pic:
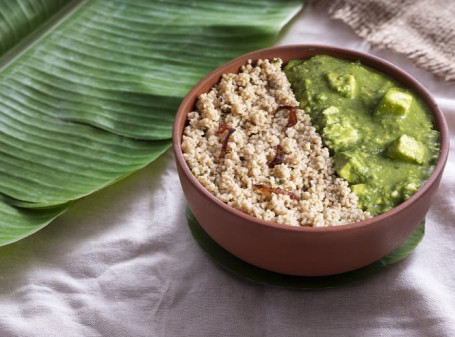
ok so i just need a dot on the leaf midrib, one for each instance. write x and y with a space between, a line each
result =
39 33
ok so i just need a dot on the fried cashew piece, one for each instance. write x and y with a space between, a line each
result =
225 148
279 157
267 191
292 118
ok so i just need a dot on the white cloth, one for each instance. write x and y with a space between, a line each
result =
122 262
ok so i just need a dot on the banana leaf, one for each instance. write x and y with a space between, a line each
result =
18 20
18 223
89 89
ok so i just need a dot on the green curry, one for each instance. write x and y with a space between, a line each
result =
381 135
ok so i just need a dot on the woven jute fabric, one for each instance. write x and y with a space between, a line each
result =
424 30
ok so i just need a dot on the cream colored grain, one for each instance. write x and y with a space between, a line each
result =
246 102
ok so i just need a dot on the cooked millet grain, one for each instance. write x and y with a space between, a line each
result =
248 102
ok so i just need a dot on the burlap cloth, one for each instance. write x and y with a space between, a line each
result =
423 30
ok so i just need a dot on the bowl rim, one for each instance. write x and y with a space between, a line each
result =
401 76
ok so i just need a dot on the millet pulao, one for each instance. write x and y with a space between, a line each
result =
250 146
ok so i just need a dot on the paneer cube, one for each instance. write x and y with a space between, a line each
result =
363 194
350 168
343 84
359 189
408 149
338 135
331 115
395 102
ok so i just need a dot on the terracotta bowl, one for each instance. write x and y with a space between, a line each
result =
307 251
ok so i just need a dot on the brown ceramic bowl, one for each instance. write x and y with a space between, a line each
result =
307 251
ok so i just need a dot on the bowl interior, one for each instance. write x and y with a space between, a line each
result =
290 52
307 251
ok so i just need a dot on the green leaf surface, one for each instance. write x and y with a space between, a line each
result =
114 64
89 89
253 273
17 223
39 172
20 18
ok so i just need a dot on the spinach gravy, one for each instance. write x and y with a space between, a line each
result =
381 135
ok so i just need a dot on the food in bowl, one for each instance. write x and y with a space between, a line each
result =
302 250
380 133
250 144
